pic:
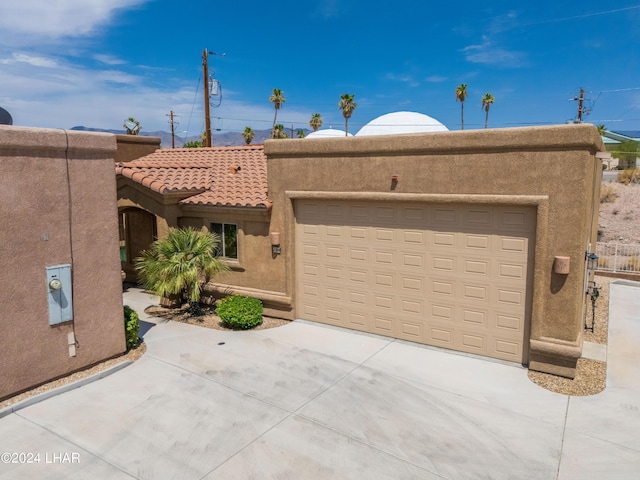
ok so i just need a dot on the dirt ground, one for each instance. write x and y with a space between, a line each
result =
619 221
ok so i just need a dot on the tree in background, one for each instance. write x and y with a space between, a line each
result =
248 135
461 95
627 154
197 143
278 131
601 129
316 121
132 126
300 133
277 98
487 100
347 105
179 265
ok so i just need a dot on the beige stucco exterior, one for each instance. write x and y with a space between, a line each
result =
58 196
553 169
255 273
131 147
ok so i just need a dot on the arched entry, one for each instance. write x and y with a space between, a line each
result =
137 231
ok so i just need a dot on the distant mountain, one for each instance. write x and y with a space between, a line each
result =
227 139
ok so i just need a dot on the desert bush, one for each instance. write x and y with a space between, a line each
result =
239 312
630 175
608 194
633 264
131 326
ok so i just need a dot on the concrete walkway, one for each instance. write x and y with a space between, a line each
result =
308 401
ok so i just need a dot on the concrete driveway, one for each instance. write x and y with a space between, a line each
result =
308 401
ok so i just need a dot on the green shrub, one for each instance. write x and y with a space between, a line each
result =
240 313
131 326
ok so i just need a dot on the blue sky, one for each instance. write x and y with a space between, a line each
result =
95 62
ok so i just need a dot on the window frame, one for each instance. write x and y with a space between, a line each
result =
223 247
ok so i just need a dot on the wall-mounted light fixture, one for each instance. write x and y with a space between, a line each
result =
592 260
275 243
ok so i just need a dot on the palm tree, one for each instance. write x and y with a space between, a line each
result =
487 100
278 131
300 133
248 135
347 105
601 129
277 98
461 95
132 126
179 265
315 122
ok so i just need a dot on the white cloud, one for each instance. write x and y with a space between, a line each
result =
488 53
108 59
436 79
29 59
408 79
25 21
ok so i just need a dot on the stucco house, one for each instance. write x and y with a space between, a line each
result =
469 240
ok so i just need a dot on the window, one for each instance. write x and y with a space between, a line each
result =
228 235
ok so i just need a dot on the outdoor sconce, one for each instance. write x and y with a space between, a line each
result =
592 260
275 243
394 177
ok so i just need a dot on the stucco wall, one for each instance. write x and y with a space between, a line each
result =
553 169
131 147
256 273
58 197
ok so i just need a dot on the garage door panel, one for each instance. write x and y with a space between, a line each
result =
412 331
453 276
443 263
475 317
441 287
440 335
383 325
473 343
508 350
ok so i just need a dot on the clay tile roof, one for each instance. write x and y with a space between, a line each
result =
225 176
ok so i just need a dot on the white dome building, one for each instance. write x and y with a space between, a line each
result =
401 122
328 133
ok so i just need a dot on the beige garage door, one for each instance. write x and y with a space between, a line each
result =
457 277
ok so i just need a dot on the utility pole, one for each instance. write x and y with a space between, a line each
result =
173 131
580 101
207 115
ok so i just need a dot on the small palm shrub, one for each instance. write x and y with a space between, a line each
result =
131 326
239 312
180 264
608 194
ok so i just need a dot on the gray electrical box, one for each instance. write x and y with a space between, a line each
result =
59 288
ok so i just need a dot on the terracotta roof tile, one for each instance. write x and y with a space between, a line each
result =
226 176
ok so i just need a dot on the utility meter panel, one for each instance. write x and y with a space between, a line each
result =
59 288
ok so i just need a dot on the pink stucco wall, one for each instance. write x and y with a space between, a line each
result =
57 206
